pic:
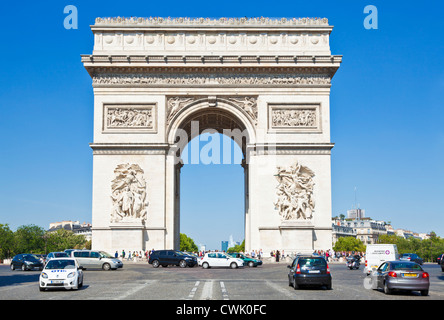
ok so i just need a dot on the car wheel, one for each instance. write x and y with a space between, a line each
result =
156 264
205 265
106 266
183 264
81 283
328 286
23 267
13 267
424 292
233 265
41 288
387 290
251 264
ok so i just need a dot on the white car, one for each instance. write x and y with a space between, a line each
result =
61 273
220 259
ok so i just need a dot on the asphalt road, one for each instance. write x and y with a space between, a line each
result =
140 281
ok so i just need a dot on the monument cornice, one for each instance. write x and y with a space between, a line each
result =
200 22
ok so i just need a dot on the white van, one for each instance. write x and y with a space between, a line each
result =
376 254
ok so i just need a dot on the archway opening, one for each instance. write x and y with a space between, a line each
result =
211 188
212 192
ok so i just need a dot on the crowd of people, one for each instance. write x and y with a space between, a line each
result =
329 255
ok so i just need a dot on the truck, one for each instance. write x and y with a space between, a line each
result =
376 254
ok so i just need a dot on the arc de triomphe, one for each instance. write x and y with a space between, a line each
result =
160 82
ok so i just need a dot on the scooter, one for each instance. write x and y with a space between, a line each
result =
353 263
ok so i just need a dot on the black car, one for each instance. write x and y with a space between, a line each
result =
309 270
165 258
26 261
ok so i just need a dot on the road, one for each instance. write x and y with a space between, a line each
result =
140 281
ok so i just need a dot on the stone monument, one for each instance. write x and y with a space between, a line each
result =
159 82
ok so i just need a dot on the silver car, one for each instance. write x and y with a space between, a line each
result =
403 275
92 259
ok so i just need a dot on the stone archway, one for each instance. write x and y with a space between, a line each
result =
193 116
269 79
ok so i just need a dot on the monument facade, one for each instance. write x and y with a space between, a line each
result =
158 83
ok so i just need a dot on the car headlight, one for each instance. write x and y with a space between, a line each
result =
72 274
44 275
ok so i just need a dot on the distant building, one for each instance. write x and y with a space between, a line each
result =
341 229
224 246
355 214
83 229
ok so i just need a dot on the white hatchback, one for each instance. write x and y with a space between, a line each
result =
220 259
61 273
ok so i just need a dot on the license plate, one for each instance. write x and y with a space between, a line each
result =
56 281
314 271
410 275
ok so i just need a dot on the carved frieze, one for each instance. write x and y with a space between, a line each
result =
128 194
129 117
295 192
296 117
207 79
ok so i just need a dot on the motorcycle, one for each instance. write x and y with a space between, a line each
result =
353 262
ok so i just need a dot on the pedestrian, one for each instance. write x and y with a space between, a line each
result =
123 254
116 255
277 255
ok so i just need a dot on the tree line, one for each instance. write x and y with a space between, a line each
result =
34 239
427 249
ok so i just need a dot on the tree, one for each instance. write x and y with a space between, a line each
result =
6 241
29 238
349 244
62 239
187 244
237 248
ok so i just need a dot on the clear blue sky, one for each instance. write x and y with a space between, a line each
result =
387 113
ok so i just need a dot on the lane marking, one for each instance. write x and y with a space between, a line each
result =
224 291
207 291
193 291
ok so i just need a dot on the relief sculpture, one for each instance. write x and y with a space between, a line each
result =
295 192
128 194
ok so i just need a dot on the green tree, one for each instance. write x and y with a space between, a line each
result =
237 248
62 239
6 241
29 238
349 244
187 244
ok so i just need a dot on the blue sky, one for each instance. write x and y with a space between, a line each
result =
386 113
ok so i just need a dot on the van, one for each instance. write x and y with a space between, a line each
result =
376 254
91 259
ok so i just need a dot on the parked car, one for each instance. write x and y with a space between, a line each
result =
404 275
92 259
411 257
439 258
220 259
61 273
26 261
251 262
53 255
309 270
165 258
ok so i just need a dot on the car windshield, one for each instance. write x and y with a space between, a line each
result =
405 266
61 264
104 254
30 257
61 254
311 262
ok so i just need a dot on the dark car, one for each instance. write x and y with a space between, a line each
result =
251 262
26 261
439 259
165 258
309 270
413 257
404 275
